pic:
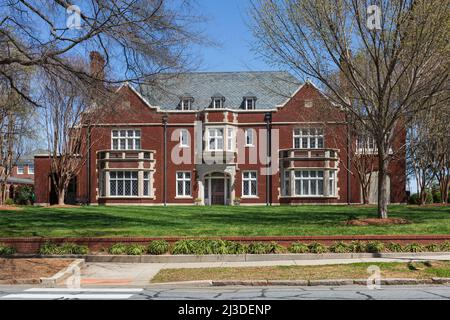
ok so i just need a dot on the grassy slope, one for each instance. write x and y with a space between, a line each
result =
215 221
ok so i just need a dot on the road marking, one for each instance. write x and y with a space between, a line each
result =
84 290
47 296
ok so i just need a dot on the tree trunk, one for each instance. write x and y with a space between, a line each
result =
382 187
61 195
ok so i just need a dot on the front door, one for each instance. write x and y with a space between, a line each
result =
217 191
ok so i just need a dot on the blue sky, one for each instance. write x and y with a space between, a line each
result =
227 26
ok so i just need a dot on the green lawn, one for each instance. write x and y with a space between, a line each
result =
215 221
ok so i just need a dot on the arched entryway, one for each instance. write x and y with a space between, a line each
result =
217 188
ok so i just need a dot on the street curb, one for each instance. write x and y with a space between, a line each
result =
309 283
234 258
52 281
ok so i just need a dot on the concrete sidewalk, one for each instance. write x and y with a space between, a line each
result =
140 274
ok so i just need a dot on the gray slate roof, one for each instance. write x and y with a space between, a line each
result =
271 88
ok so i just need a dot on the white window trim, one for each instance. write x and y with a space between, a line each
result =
253 101
185 107
255 196
22 171
300 136
187 143
124 196
309 183
231 141
220 100
208 136
30 171
253 133
183 179
126 139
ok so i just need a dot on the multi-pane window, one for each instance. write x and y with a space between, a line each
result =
185 104
123 183
183 184
126 139
249 184
31 169
184 138
230 139
215 139
146 190
365 144
286 183
308 183
217 103
20 169
249 103
309 138
331 183
249 137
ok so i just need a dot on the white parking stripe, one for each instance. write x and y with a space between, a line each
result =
83 290
47 296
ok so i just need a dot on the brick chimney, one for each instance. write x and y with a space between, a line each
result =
97 67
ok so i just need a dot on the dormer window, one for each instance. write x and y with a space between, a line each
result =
186 102
217 101
249 101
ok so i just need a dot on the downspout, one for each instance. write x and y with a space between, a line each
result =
268 120
164 121
349 201
89 165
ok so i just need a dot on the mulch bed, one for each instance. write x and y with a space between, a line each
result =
376 221
30 269
10 208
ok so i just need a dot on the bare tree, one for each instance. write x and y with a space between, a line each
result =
138 38
69 108
15 129
398 63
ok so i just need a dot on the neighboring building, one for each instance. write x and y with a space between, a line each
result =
215 128
22 173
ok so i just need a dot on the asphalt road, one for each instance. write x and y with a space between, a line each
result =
430 292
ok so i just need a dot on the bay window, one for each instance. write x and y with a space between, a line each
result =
123 183
215 139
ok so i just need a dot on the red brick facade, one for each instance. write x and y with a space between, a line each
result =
93 184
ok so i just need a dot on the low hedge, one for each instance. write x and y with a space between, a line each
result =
50 248
209 246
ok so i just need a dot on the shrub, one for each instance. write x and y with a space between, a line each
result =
413 247
445 246
236 247
374 246
158 247
50 248
9 202
136 249
433 247
356 246
316 247
6 250
298 247
394 247
274 247
259 248
72 248
339 247
118 248
183 247
414 198
437 197
24 195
